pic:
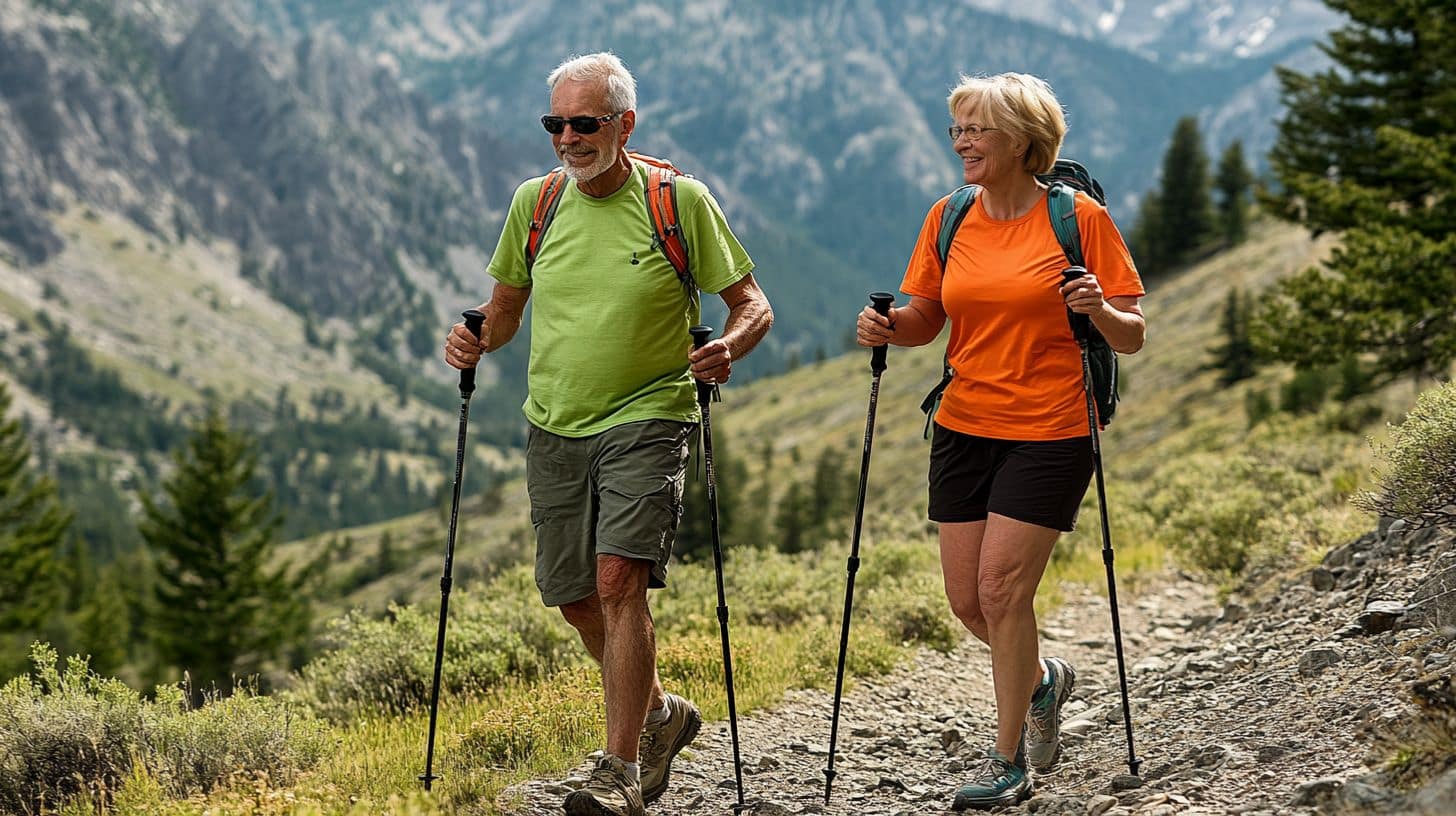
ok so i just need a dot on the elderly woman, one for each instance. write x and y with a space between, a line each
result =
1011 455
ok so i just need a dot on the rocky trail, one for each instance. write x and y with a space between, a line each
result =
1270 705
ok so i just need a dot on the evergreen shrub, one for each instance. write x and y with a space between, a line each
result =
386 666
1417 472
70 734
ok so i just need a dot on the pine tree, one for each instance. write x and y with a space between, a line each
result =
694 538
1185 208
1367 148
1232 181
1234 357
1145 237
221 608
101 629
33 526
792 521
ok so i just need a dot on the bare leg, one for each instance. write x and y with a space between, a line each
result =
616 627
960 565
1013 558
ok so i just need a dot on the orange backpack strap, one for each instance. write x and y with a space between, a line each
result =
546 203
667 232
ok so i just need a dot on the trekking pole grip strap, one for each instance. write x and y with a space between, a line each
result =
881 302
474 322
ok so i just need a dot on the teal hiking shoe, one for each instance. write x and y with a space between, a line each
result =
1044 717
998 781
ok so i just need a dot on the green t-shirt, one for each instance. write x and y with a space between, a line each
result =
610 319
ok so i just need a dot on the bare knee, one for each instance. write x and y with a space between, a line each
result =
622 582
967 609
1001 595
585 614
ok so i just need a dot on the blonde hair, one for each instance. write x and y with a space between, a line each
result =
604 67
1020 104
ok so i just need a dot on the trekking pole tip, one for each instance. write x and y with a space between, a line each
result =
828 783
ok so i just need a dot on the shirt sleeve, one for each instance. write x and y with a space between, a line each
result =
923 274
508 263
1106 253
717 258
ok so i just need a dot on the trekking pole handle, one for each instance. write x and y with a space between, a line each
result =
474 322
1081 324
700 338
881 302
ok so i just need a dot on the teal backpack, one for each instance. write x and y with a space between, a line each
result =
1063 182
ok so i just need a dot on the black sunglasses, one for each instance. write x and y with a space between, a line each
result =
583 125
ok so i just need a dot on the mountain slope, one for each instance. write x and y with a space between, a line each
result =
1172 409
821 121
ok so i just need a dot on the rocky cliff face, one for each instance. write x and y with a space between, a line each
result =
331 178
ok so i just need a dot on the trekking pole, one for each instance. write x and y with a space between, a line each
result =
474 320
881 302
1081 330
706 392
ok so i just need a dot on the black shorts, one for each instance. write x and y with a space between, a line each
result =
1040 483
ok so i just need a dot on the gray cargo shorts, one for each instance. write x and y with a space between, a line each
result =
618 492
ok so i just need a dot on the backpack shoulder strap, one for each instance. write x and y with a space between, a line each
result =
951 217
545 211
1062 208
667 232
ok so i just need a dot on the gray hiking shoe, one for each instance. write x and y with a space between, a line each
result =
660 743
610 792
1044 717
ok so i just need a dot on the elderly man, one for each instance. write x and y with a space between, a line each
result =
611 398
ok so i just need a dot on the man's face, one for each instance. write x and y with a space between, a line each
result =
586 156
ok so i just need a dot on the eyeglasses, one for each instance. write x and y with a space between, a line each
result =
973 132
583 125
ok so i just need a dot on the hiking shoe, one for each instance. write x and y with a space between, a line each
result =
609 792
661 742
998 781
1044 717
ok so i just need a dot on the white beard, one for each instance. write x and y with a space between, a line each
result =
601 165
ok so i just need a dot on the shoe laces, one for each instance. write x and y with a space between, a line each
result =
993 769
606 775
651 744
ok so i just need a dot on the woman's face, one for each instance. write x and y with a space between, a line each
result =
993 157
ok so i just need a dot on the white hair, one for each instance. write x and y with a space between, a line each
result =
605 67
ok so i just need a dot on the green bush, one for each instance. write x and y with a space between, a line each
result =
194 750
386 667
1214 509
507 736
69 734
1417 473
64 734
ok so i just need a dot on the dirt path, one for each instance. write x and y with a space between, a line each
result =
1267 710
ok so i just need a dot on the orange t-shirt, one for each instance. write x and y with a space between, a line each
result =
1018 371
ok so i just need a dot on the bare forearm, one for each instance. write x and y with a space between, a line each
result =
748 321
503 313
915 324
1124 330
